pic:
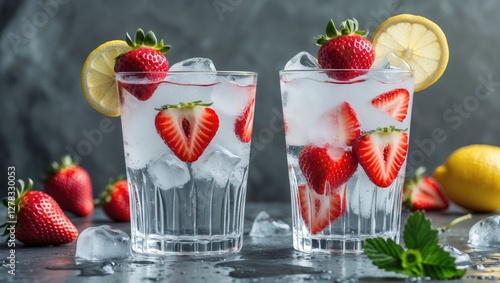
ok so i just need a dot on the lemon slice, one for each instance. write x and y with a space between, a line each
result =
98 77
418 41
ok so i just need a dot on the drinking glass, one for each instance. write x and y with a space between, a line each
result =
187 153
343 131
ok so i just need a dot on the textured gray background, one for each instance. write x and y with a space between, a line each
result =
44 43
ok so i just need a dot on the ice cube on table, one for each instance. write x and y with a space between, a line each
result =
461 258
196 64
486 232
215 165
302 61
168 172
103 243
266 226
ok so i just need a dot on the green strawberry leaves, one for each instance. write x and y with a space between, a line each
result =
423 257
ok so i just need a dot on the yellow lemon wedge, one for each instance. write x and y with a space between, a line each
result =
418 41
98 77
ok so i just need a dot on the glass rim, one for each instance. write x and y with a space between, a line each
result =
411 71
225 73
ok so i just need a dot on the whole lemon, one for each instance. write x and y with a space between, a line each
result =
470 177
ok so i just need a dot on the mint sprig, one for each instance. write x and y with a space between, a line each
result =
423 256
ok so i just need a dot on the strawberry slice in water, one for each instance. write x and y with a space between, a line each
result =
243 126
187 128
395 103
319 210
326 168
345 123
381 153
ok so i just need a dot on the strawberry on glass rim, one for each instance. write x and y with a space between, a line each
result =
187 128
345 49
147 55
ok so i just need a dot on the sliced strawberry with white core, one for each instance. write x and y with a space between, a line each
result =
326 168
345 124
187 128
424 193
243 126
381 153
319 210
395 103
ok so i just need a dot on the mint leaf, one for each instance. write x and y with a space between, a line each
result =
439 264
385 254
418 233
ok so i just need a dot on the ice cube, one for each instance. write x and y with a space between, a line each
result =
391 64
103 243
461 258
216 165
486 232
168 172
266 226
302 61
196 64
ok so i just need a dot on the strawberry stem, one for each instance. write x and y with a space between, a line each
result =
454 222
148 39
184 105
347 27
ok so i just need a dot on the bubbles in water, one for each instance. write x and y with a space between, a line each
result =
302 61
486 232
168 172
266 226
103 243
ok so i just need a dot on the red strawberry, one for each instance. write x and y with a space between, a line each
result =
346 124
424 193
345 49
326 168
115 200
40 220
319 210
70 185
381 153
243 126
394 102
187 128
147 55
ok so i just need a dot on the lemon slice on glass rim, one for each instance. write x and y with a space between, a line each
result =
418 41
98 77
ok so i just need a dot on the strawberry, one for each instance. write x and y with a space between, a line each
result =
115 200
345 49
40 221
423 192
243 126
345 123
319 210
147 55
381 153
70 185
394 102
187 128
326 168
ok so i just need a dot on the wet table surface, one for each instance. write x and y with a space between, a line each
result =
270 259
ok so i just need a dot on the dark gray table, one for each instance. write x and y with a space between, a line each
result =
261 259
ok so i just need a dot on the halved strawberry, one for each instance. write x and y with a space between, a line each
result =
381 153
319 210
326 168
394 102
243 126
345 123
424 193
187 128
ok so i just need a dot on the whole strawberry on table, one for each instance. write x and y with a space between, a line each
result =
71 186
115 200
39 219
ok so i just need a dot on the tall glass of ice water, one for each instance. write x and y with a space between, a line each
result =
187 152
347 137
